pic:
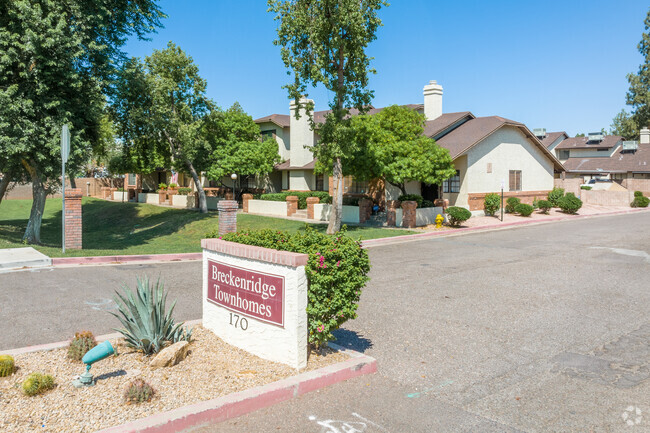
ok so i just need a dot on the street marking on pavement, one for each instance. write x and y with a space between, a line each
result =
338 426
440 386
623 251
102 305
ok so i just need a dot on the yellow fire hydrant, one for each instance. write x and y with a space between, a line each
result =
439 220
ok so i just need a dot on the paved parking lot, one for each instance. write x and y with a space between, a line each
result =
535 329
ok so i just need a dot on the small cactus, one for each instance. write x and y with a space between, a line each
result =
6 365
80 344
37 383
138 391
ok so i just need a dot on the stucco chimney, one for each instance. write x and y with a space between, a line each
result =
432 100
301 137
645 136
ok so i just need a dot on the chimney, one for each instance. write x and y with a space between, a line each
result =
301 137
645 136
432 100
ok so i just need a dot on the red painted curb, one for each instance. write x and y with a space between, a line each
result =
386 241
250 400
57 261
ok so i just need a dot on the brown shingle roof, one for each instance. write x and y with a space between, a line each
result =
282 120
438 125
286 165
582 143
620 162
551 137
319 116
471 132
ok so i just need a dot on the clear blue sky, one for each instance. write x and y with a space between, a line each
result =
554 64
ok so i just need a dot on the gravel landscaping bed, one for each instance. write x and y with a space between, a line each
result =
212 369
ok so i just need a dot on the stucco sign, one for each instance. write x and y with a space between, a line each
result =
254 294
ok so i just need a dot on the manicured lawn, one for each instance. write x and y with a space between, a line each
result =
113 228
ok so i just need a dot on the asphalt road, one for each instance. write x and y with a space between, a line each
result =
536 329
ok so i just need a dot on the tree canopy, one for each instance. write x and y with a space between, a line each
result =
390 145
638 95
324 42
57 64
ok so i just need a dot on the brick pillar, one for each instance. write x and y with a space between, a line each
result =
292 205
244 199
162 196
227 216
170 194
443 203
111 193
73 222
408 214
365 210
311 201
391 207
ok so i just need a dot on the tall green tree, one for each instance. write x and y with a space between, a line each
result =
324 42
390 145
624 125
57 61
638 96
161 108
236 146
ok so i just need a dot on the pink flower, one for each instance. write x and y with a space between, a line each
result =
338 263
321 328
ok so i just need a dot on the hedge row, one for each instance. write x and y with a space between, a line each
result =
302 197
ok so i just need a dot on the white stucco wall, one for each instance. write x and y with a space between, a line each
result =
301 138
301 180
267 207
350 213
592 153
459 198
148 198
287 344
423 216
282 136
508 149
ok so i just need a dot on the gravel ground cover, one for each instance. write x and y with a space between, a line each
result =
212 369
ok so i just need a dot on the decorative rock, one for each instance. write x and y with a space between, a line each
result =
172 355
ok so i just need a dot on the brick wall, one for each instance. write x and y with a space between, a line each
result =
73 219
607 198
637 185
569 185
292 205
227 216
311 201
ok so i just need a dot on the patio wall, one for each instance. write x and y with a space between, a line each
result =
423 216
350 213
268 207
607 198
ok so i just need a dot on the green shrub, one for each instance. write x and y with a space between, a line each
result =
524 209
411 197
570 203
427 203
173 186
640 201
457 215
37 383
302 197
491 203
511 204
120 190
638 194
555 195
162 186
7 365
336 272
184 191
80 344
147 324
585 187
544 205
138 391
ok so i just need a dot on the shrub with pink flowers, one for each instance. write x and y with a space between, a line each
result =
337 270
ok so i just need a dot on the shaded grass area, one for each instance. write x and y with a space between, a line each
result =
114 228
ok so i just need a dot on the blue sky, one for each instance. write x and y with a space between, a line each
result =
554 64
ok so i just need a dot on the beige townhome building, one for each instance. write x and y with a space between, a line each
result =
489 153
600 156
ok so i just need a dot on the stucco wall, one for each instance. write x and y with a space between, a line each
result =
350 213
392 192
301 139
282 136
459 198
508 149
423 216
302 180
267 207
591 153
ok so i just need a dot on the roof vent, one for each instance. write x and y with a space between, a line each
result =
595 137
630 146
540 132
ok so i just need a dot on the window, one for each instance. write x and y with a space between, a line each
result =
452 185
268 133
564 154
320 182
603 150
515 180
131 179
251 182
489 167
353 186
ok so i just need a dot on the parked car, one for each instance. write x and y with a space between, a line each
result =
598 183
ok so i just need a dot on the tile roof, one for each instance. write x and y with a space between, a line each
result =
620 162
471 132
282 120
438 125
583 143
551 137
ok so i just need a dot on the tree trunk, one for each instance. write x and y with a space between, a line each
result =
4 184
33 232
203 202
73 183
337 198
400 186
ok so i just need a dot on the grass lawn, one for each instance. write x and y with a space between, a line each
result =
114 228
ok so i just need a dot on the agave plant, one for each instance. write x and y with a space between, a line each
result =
147 326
